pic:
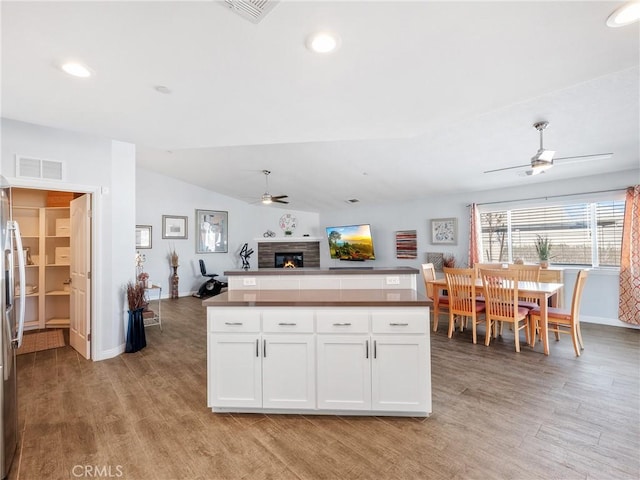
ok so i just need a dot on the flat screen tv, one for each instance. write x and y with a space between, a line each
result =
351 242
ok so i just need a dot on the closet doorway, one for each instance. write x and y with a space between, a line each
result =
56 235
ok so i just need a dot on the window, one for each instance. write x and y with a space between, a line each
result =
580 234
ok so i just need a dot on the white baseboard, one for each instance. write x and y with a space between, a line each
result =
614 322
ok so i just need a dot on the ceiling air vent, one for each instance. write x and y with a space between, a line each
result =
29 167
352 200
252 10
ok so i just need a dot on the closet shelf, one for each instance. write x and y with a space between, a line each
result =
58 322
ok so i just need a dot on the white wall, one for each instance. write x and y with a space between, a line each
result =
106 168
159 195
125 196
600 298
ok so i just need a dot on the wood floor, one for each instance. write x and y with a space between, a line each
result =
497 415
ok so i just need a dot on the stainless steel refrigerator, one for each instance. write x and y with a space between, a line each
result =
12 325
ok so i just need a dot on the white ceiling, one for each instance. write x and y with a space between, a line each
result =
420 99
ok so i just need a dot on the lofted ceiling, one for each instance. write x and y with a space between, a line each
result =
420 99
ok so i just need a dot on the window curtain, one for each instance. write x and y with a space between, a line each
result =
629 306
475 236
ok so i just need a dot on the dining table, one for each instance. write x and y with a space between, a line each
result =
539 290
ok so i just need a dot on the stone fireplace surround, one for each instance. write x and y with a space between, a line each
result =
267 250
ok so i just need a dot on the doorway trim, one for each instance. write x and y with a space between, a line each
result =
96 241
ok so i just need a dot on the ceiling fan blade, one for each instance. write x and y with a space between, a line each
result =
278 197
508 168
585 158
277 200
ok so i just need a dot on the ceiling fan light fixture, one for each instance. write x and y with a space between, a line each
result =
540 166
543 159
266 199
624 15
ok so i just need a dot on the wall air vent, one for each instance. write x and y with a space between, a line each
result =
252 10
30 167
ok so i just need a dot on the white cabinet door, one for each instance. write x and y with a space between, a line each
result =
288 371
344 372
235 370
400 373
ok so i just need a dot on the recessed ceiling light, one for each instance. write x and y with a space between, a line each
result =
323 42
76 69
624 15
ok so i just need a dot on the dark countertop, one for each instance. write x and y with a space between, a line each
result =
355 270
318 298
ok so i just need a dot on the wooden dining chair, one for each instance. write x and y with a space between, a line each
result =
461 285
501 303
486 266
566 320
428 274
527 273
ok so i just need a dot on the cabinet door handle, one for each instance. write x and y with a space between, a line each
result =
367 349
233 323
257 347
264 348
344 324
375 349
285 324
394 324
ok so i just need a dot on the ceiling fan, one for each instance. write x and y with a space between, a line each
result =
267 198
543 159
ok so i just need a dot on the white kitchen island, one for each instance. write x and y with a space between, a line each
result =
352 351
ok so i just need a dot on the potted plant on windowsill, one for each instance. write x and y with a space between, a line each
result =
543 247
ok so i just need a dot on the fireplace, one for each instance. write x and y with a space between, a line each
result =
288 259
267 252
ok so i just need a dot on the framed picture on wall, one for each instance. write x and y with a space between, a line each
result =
436 258
212 231
143 236
444 231
406 244
174 227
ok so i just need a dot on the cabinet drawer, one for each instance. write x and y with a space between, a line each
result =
342 321
400 321
280 320
231 319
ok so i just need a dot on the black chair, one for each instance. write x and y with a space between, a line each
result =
212 286
203 270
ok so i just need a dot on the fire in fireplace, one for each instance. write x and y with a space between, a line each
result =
288 259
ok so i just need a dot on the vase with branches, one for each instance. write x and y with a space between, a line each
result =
173 259
135 296
449 261
136 301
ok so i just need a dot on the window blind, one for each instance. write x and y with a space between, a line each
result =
580 233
